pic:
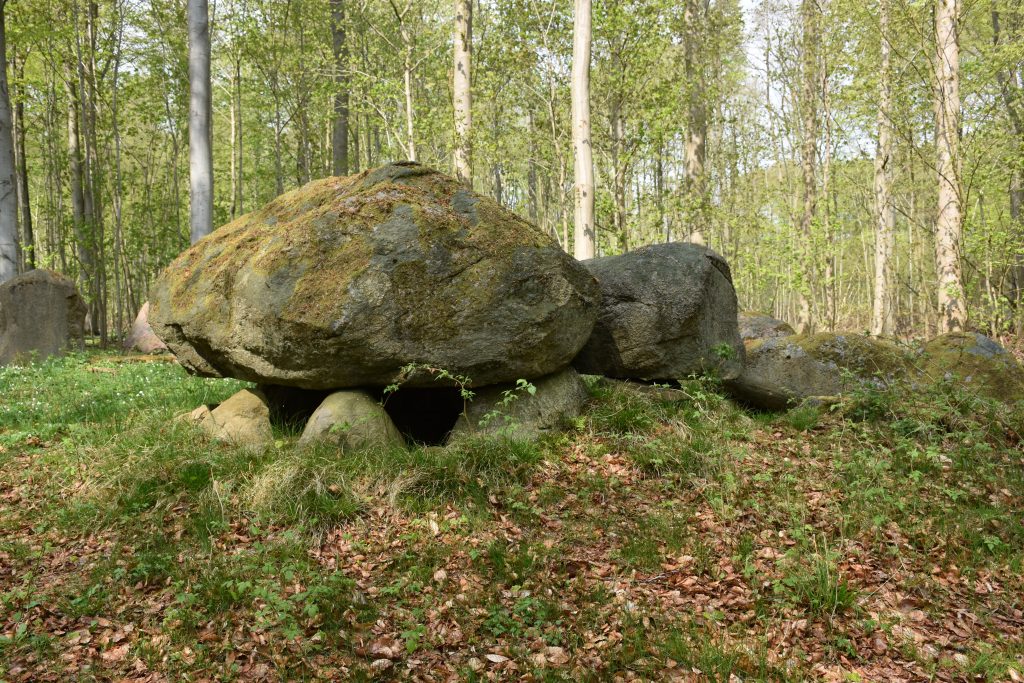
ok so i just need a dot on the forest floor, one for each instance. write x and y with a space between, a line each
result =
665 536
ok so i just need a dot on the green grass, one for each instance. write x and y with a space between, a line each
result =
666 531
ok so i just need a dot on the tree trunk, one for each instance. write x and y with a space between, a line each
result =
808 156
239 196
76 180
21 162
695 203
200 147
885 213
119 315
339 140
1013 100
619 178
462 91
8 189
584 233
951 302
410 128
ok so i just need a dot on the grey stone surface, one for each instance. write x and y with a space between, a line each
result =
351 420
243 420
976 363
783 371
41 315
761 326
668 311
345 281
559 397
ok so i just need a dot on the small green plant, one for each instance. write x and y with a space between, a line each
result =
461 382
804 417
501 408
816 584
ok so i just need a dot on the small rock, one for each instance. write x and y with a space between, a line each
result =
243 419
351 420
784 371
976 363
762 326
516 413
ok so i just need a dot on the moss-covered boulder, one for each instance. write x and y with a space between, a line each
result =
668 311
975 361
345 281
762 326
783 371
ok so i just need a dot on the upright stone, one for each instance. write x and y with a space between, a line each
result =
346 281
41 315
512 411
351 420
668 311
141 337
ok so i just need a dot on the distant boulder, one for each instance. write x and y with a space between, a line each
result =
976 362
41 315
762 326
346 281
667 311
141 338
783 371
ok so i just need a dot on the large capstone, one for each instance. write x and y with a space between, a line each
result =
668 311
41 315
346 281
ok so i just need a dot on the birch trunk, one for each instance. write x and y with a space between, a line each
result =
8 188
584 235
885 214
462 91
200 149
695 183
949 226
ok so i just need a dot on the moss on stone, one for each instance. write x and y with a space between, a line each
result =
977 362
398 257
861 355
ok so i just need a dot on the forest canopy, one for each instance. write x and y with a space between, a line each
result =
760 127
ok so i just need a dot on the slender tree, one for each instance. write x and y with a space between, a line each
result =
695 186
200 147
27 242
462 90
584 234
339 141
809 15
885 213
949 226
8 187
